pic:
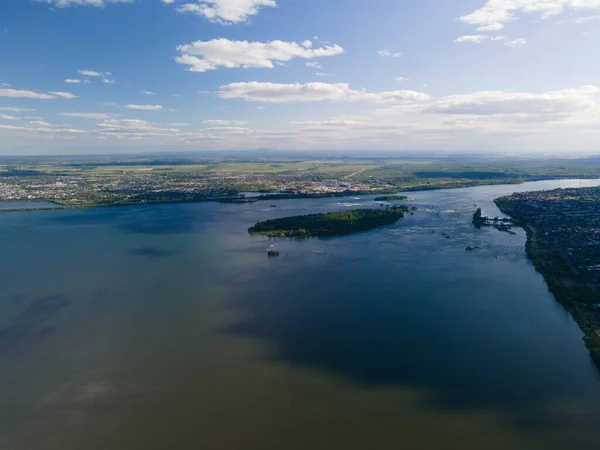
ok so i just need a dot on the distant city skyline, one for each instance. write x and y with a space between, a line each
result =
126 76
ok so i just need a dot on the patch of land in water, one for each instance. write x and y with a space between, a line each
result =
390 198
563 242
329 224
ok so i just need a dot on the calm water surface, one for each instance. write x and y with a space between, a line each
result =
26 205
167 327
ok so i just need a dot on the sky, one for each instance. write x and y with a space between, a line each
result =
122 76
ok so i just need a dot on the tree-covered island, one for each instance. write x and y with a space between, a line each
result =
391 198
329 224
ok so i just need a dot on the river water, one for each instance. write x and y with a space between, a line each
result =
167 327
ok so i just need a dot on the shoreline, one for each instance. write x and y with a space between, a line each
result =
561 280
269 196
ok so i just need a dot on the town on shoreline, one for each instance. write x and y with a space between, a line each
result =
81 182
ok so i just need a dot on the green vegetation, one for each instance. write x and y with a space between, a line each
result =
478 220
330 224
391 198
81 182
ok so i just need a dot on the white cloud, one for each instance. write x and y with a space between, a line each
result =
479 38
7 117
15 109
93 73
582 20
148 93
313 64
134 128
547 105
145 107
96 3
400 79
18 93
108 81
202 56
224 122
489 27
474 38
97 116
68 95
40 123
228 130
516 42
496 13
168 2
311 92
226 11
76 81
39 126
386 53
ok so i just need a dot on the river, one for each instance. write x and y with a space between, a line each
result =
168 327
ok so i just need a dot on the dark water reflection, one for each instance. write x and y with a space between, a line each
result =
173 329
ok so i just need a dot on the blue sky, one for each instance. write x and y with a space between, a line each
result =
110 76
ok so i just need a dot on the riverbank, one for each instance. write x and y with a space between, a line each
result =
238 199
568 288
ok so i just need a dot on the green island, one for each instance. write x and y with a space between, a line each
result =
561 227
329 224
391 198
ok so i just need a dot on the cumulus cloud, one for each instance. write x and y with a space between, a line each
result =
516 42
214 122
93 73
550 105
386 53
313 64
494 14
311 92
96 3
226 11
97 116
479 38
227 130
586 19
474 38
134 128
15 109
39 126
145 107
19 93
68 95
76 81
202 56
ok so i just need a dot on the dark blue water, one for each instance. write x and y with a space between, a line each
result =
167 326
4 205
